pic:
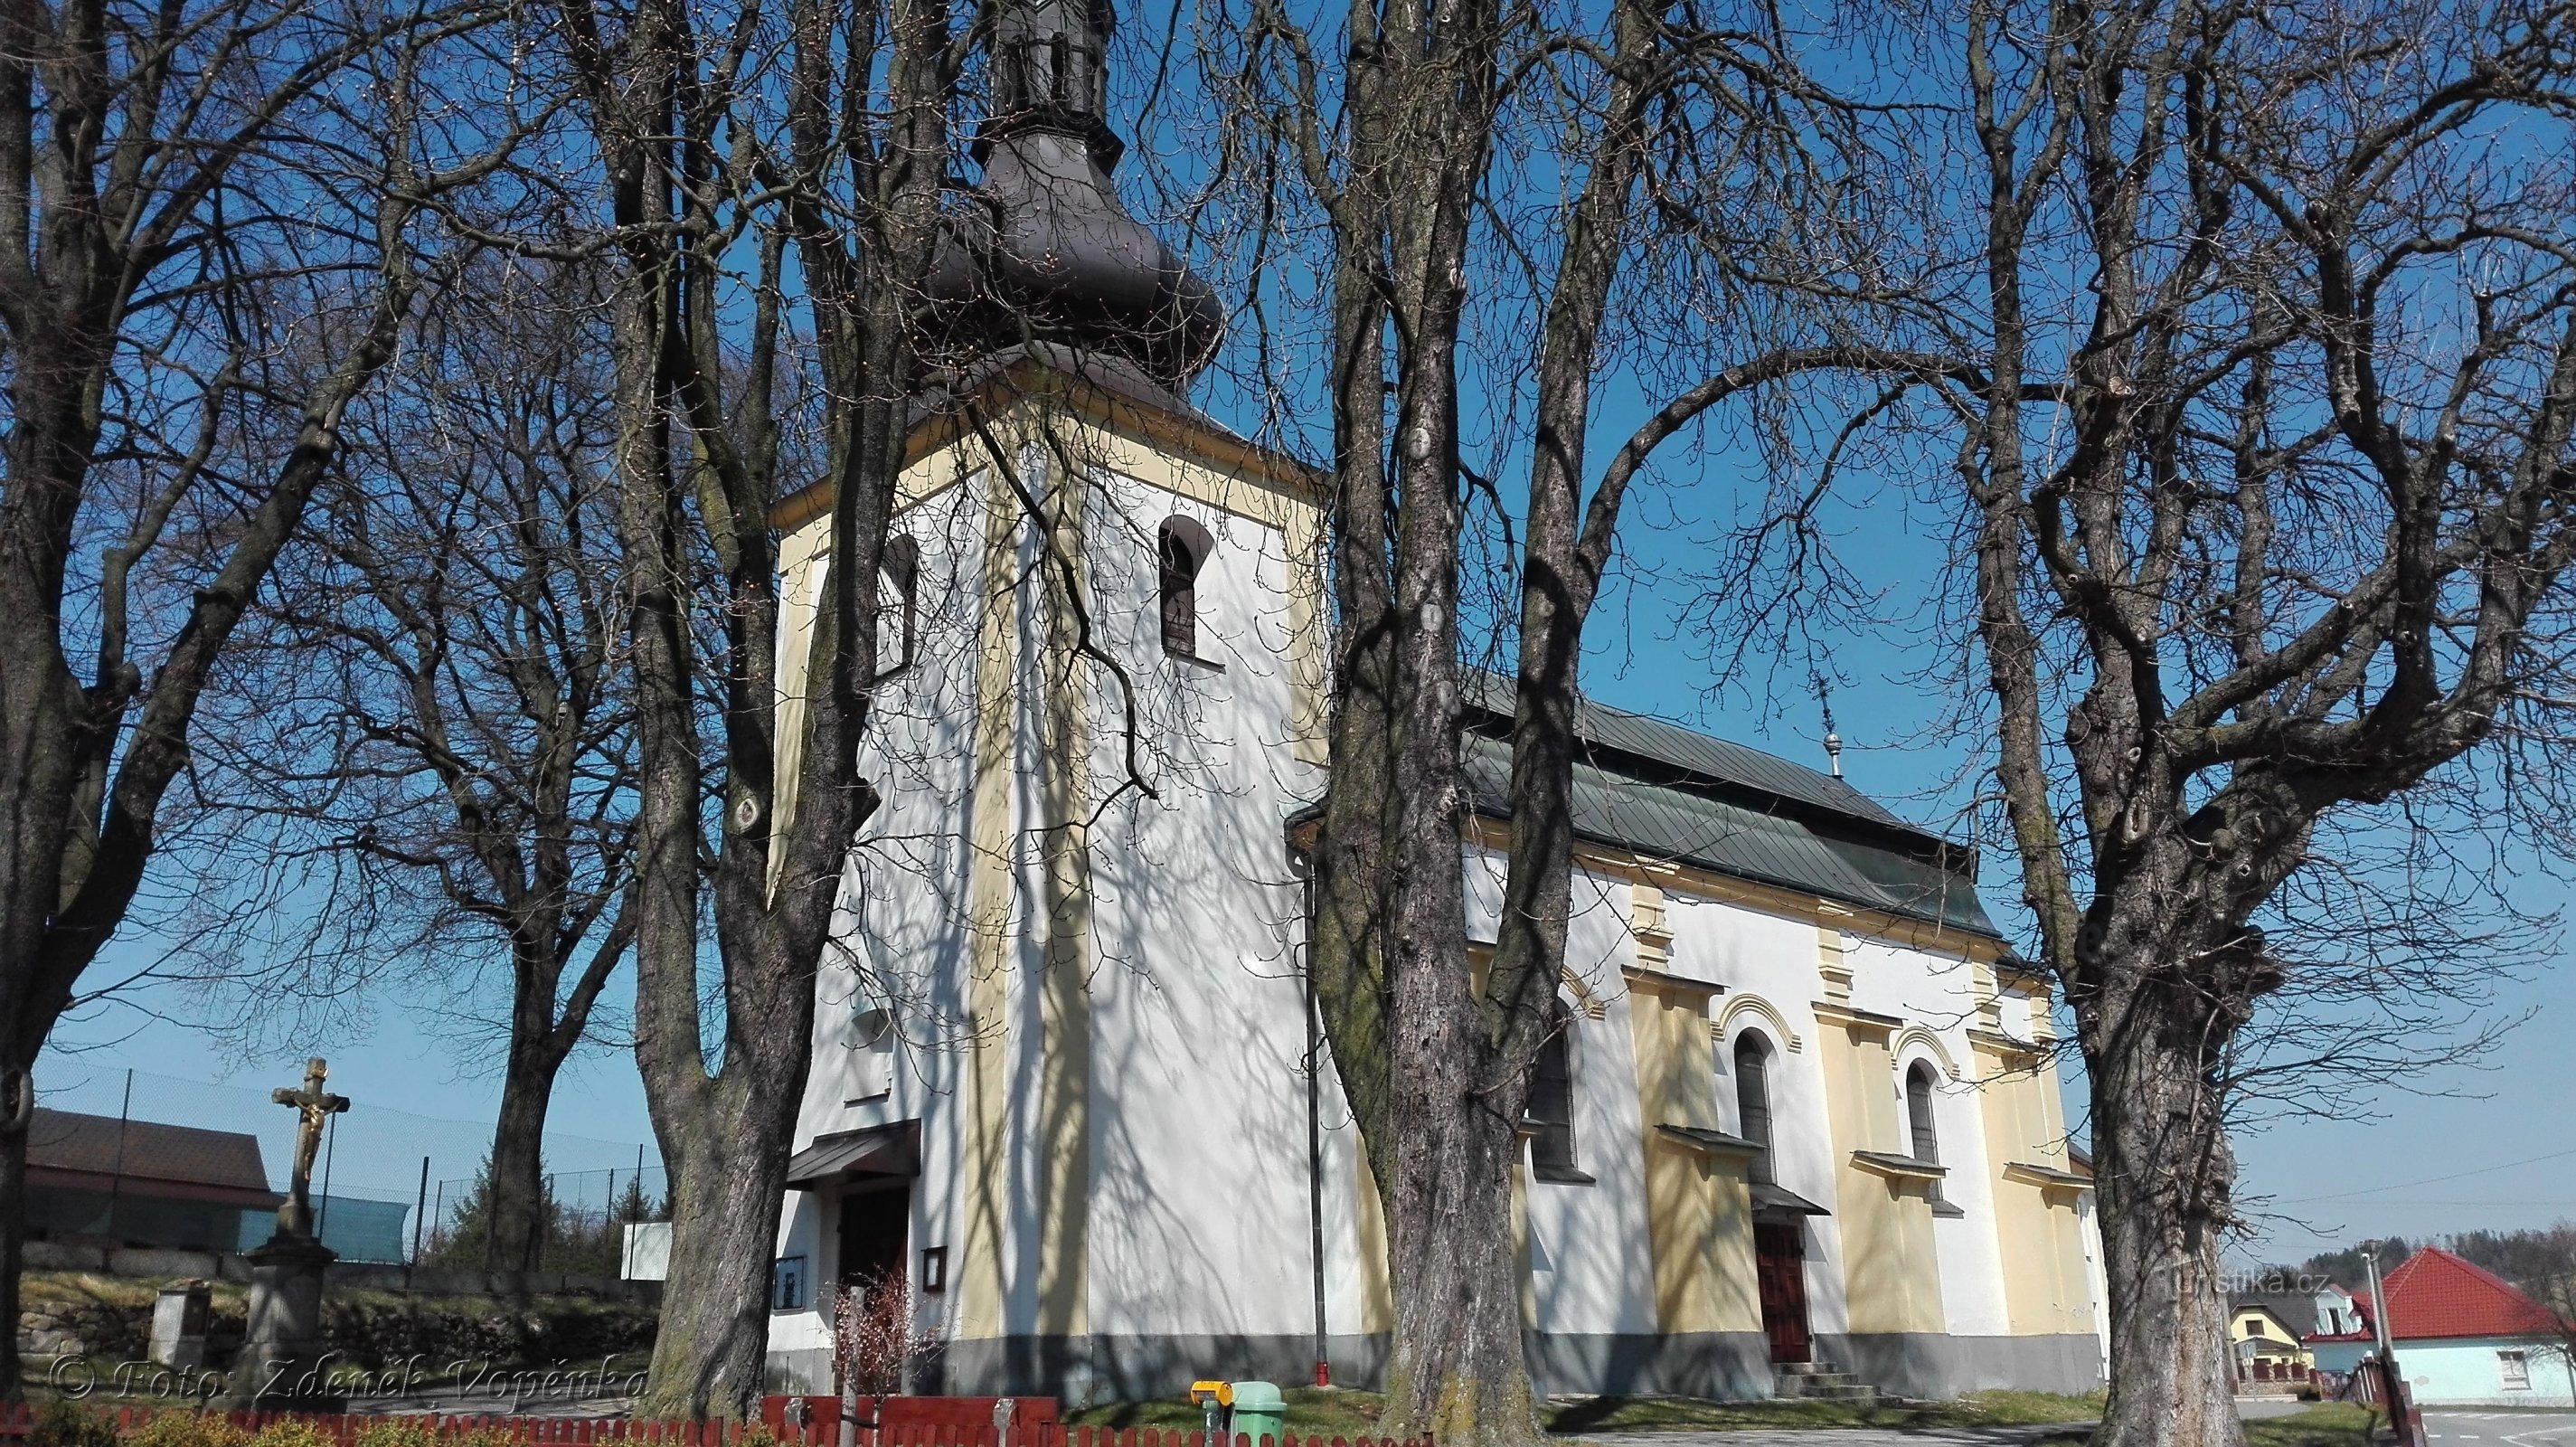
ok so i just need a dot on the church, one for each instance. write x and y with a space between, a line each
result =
1799 1132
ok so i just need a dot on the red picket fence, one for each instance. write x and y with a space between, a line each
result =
581 1431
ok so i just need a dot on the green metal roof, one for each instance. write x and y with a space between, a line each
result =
1665 791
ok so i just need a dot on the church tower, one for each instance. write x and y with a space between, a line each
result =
1065 947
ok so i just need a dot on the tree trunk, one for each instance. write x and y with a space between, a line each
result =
515 1187
2163 1175
17 1101
1456 1370
727 1178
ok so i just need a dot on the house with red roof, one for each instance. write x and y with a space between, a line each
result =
2464 1337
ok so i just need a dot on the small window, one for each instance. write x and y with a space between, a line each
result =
1551 1103
2516 1370
790 1286
898 594
1753 1100
1183 547
1918 1114
2254 1326
1925 1135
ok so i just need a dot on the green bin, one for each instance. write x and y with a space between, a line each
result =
1260 1411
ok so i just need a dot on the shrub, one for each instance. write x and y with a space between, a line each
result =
68 1424
398 1434
293 1432
188 1429
874 1338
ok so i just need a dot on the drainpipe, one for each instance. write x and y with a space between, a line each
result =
1304 867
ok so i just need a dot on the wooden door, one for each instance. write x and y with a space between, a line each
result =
873 1227
1780 1271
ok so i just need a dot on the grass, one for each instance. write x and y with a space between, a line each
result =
1983 1409
1334 1411
2331 1424
1312 1411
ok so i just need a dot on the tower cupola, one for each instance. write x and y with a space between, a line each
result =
1048 257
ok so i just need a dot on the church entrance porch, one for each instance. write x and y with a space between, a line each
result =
1780 1273
875 1225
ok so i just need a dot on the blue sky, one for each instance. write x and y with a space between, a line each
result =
2401 1163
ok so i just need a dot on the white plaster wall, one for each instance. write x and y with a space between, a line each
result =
1591 1265
900 936
2464 1372
1200 1208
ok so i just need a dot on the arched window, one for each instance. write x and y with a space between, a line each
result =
1183 547
898 594
1551 1103
1753 1100
1918 1114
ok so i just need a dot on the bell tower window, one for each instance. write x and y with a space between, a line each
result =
1183 548
898 603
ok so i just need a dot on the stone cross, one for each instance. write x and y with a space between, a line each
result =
313 1108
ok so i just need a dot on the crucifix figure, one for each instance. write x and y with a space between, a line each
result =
295 1218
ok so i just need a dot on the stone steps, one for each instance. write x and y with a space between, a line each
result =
1819 1382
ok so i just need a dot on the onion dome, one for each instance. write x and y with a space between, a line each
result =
1048 255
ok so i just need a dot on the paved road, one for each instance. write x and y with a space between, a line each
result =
1839 1437
2500 1429
2248 1407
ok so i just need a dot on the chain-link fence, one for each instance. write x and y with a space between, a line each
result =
130 1158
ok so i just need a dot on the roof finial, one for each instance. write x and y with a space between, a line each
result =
1825 702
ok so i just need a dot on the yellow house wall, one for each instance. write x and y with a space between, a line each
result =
1699 1218
1891 1272
2047 1289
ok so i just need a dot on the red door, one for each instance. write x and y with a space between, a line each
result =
1780 1271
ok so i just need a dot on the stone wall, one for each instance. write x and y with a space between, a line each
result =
110 1321
160 1265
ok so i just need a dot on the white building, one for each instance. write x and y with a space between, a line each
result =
1804 1112
2463 1337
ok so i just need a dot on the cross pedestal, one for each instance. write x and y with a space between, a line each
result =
283 1359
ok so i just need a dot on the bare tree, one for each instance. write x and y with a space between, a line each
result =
435 732
2252 362
819 132
1521 200
206 256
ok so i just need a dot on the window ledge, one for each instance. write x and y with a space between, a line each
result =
1949 1210
1196 660
1896 1167
1562 1175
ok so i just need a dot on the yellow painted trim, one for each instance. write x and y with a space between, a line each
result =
1638 976
2016 1052
1891 1271
1592 1006
1377 1286
1898 1168
1755 1005
1699 1216
1917 1035
1029 381
1859 1022
1064 1049
984 1187
1676 878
